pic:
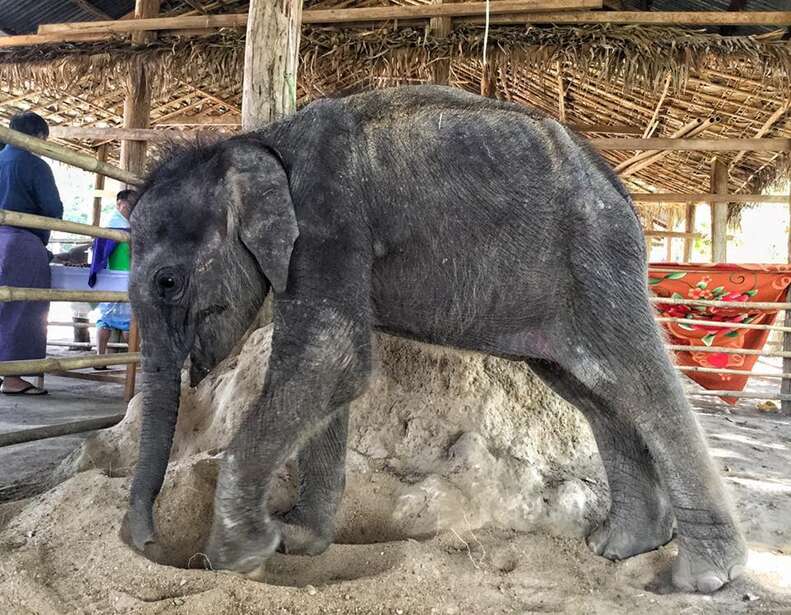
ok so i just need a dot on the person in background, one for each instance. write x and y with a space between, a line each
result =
113 316
27 185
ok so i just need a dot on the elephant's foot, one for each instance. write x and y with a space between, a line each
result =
715 556
299 536
234 547
630 533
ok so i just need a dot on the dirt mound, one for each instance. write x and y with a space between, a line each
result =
469 485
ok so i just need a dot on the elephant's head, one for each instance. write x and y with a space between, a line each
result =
212 231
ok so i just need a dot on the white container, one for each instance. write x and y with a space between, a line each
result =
76 278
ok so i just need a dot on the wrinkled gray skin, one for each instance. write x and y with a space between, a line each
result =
435 215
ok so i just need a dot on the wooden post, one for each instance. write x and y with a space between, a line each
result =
689 227
785 385
271 57
719 213
489 79
440 27
137 111
101 155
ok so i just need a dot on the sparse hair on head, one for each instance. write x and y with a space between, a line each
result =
30 123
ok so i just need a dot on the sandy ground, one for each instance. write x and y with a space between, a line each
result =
59 553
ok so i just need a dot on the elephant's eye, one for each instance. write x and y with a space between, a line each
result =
168 283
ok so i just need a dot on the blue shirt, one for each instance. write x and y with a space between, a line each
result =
28 186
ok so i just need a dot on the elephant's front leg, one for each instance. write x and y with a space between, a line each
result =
309 527
320 361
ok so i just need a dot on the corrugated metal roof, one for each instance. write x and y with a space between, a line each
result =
23 16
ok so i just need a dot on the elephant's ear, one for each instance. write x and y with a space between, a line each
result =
261 212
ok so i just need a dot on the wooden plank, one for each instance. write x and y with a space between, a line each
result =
145 9
96 216
15 218
64 154
665 18
440 28
697 145
719 212
669 198
322 16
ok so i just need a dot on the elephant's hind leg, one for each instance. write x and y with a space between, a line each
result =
640 518
309 527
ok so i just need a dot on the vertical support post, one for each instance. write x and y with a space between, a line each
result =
719 213
440 28
561 94
489 80
271 58
137 110
671 225
689 227
101 154
785 385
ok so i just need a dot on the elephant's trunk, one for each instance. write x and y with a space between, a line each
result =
162 386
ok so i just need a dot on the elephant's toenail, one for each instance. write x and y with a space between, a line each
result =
708 583
735 572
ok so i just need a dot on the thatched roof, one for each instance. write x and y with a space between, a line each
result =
612 75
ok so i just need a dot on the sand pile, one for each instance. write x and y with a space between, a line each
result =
469 485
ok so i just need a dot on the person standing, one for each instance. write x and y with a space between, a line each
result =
27 185
110 254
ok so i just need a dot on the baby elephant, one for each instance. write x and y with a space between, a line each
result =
435 215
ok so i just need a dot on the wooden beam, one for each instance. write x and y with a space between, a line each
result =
766 127
665 18
323 16
86 6
669 198
403 16
440 28
719 213
101 155
689 227
64 154
696 145
32 434
17 293
671 234
125 134
271 56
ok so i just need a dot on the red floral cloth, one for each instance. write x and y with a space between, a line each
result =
720 282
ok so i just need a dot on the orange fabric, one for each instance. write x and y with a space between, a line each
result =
721 282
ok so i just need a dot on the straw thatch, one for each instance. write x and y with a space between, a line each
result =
612 75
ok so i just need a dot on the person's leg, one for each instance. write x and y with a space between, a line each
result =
102 338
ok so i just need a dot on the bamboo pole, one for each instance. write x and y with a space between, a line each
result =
734 372
440 28
699 197
508 12
15 218
671 234
87 345
167 134
726 350
694 145
685 130
62 429
742 395
726 325
51 364
318 16
742 305
64 154
14 293
113 376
